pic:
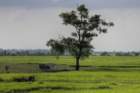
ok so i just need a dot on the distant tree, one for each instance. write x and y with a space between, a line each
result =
105 54
86 27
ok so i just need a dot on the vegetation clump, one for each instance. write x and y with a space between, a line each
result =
24 79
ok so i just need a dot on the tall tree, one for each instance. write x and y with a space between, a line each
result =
86 27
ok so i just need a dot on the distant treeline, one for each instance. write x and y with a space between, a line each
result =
132 53
23 52
43 52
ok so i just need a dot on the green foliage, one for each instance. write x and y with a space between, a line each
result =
57 47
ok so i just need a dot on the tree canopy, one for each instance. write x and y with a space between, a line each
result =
86 28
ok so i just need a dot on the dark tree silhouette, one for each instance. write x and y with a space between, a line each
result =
86 27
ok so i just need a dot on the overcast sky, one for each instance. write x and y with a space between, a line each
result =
28 24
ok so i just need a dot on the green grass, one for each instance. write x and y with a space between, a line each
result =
119 80
74 82
91 61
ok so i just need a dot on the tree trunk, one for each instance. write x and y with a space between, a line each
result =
77 64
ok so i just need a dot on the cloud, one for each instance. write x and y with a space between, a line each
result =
56 1
23 28
101 4
31 28
94 4
124 35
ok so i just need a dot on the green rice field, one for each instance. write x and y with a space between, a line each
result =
106 74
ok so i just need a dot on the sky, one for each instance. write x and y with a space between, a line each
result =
29 24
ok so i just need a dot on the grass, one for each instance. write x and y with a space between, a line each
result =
68 60
114 74
74 82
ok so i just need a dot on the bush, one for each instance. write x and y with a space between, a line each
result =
104 87
1 80
24 79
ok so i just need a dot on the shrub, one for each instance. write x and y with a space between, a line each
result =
24 79
1 80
